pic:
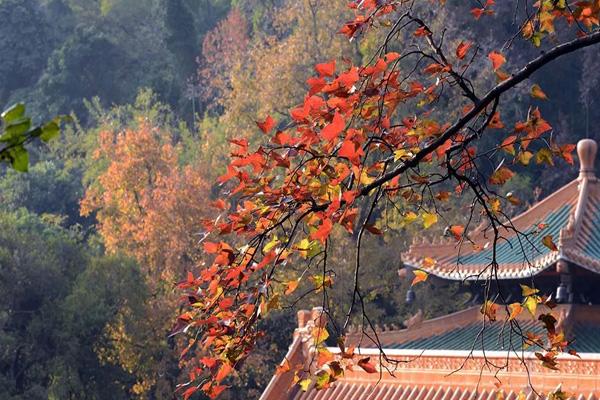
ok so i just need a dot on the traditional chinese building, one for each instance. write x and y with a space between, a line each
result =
464 356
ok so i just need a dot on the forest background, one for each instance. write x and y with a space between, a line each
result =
94 238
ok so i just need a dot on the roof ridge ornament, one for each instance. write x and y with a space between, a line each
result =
586 150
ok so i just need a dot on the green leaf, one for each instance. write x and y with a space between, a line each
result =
323 380
50 131
13 113
15 131
19 158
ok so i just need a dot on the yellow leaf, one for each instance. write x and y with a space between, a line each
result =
538 93
549 243
495 205
525 157
420 276
429 219
365 179
515 310
530 304
272 244
544 155
410 217
402 154
528 291
304 384
320 335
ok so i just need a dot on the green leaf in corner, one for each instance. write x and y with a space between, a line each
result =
15 112
15 131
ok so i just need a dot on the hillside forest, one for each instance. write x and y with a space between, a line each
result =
110 216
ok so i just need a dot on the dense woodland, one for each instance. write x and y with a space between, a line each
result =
95 237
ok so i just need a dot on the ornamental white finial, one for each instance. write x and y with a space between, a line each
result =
586 150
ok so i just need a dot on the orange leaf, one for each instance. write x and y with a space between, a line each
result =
508 144
489 309
497 60
515 310
456 231
283 367
549 243
428 262
566 151
291 286
463 49
367 366
434 68
501 176
420 276
267 124
537 93
224 371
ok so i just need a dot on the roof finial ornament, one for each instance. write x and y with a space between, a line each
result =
586 150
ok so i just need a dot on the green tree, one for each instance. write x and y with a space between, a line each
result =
25 44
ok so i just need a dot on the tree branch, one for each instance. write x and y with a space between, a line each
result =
492 95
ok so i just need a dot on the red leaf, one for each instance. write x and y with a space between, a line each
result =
224 371
215 391
226 303
267 124
326 69
211 247
348 79
189 392
323 232
333 130
219 203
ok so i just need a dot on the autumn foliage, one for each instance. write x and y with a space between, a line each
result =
368 139
146 204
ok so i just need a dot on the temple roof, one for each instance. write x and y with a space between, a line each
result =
418 370
569 215
465 331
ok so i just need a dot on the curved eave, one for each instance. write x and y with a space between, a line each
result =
505 272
